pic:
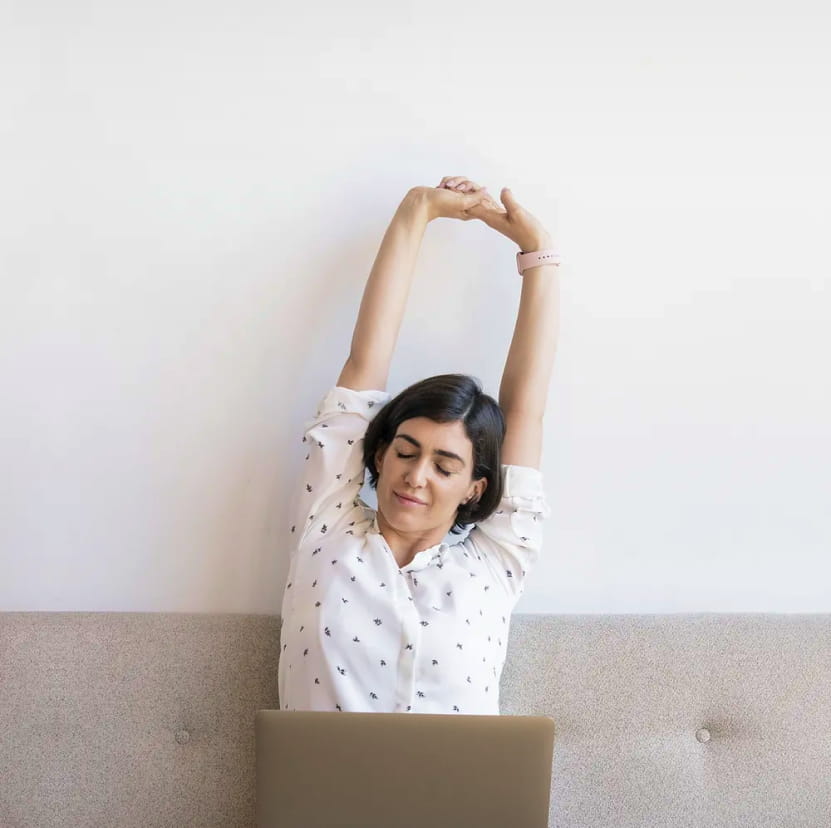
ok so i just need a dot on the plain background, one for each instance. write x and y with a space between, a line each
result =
193 194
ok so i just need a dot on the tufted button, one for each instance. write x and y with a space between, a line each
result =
182 737
702 734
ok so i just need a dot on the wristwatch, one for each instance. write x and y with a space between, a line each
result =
535 258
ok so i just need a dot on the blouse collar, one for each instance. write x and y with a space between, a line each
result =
422 559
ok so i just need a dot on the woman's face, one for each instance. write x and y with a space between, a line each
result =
432 463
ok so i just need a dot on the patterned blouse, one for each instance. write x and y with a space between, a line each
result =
358 632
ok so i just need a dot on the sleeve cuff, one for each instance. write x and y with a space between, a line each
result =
339 400
523 486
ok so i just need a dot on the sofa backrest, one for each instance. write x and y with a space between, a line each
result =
147 719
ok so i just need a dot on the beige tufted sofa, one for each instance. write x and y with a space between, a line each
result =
147 720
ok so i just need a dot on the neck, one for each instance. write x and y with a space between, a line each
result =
406 545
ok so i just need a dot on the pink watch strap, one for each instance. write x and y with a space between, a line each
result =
537 257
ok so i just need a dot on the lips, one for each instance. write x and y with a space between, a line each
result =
407 497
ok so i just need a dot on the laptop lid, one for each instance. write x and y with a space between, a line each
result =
320 769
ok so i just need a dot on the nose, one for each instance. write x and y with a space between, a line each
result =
416 475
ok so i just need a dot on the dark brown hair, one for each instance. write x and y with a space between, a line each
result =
448 398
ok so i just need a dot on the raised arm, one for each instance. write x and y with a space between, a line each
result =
524 387
388 287
525 379
385 298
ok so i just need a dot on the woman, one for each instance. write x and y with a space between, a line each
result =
379 614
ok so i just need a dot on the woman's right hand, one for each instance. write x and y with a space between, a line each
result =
513 221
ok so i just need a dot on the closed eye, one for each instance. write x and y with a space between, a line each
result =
406 456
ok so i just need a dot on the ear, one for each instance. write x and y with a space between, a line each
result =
478 489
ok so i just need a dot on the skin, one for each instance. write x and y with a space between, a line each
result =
419 474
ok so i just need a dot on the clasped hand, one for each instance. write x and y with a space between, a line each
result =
460 198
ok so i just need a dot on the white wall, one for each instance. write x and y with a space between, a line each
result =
193 195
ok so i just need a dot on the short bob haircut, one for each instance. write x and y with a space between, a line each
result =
448 398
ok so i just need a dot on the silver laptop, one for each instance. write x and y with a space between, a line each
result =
402 770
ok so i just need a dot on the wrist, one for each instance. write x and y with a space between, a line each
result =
540 243
415 206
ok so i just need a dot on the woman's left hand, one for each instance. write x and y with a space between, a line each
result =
446 202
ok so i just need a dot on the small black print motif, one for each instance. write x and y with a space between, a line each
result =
317 680
339 505
358 640
352 578
342 671
420 694
326 630
435 662
323 529
320 444
338 707
317 603
377 621
308 487
468 680
409 647
459 646
338 476
383 663
510 574
345 600
292 528
314 583
306 651
350 442
455 708
373 696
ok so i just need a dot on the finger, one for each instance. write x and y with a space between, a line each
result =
475 198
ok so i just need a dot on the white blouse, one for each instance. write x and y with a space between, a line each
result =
361 634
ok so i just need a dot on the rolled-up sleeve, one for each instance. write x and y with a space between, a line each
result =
510 540
332 472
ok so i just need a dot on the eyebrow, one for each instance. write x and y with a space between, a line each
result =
435 451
